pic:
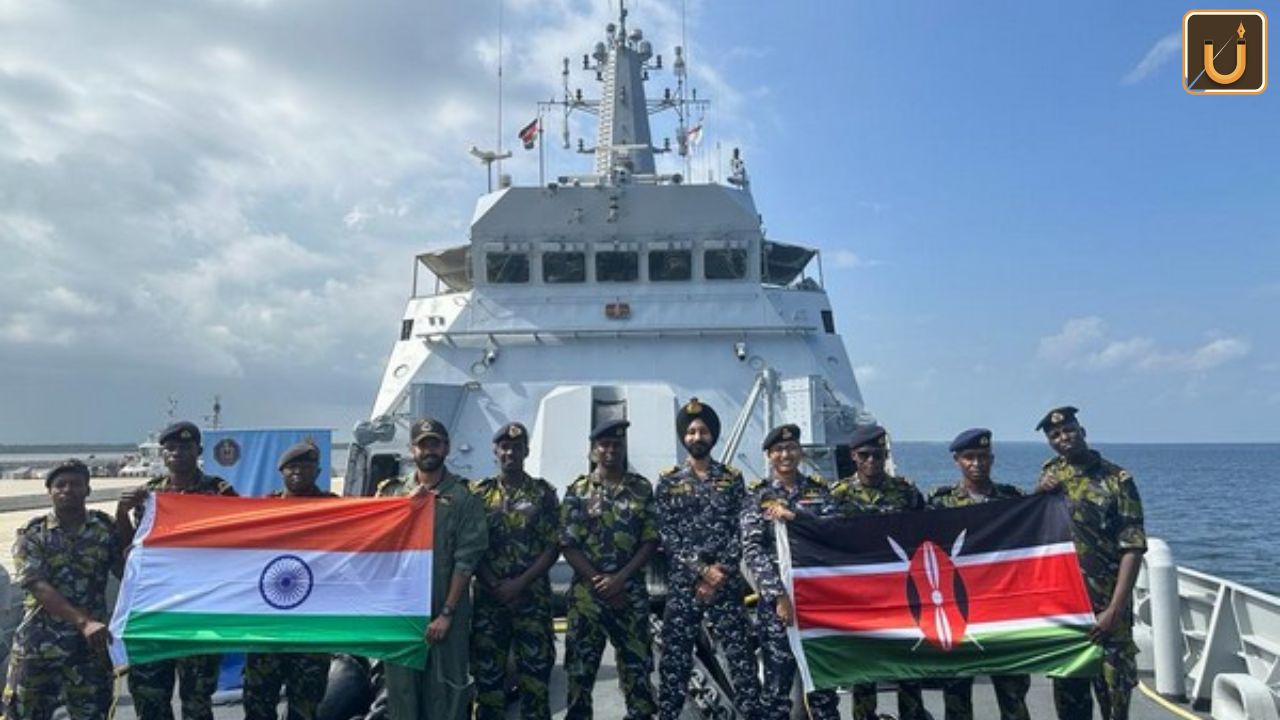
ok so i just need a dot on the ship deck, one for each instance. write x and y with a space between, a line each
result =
21 500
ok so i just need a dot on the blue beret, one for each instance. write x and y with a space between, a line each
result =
695 409
868 435
782 433
511 431
1057 416
305 450
425 426
70 465
610 429
181 431
971 439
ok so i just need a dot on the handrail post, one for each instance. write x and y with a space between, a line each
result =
1166 621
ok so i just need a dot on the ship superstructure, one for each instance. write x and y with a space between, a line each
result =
618 293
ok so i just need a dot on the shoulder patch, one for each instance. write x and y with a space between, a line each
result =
755 484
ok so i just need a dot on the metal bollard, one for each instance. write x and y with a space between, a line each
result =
1166 621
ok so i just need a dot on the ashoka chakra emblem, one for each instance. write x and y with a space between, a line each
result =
286 582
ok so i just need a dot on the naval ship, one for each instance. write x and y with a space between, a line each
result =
624 292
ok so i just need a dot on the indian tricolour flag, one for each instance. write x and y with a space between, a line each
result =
211 574
986 589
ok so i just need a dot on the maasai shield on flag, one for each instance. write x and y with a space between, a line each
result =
210 574
986 589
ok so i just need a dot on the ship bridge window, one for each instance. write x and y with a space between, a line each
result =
564 267
725 263
506 267
617 266
670 265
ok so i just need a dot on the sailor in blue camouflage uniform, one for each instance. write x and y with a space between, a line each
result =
62 561
1107 524
973 456
305 676
513 592
608 534
151 684
786 491
872 490
698 508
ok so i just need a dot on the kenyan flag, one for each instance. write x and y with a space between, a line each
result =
986 589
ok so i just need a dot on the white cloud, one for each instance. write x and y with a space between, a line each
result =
866 373
1084 343
1166 50
846 260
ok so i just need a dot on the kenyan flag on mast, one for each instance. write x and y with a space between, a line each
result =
986 589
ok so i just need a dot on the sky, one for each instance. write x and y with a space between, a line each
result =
1017 204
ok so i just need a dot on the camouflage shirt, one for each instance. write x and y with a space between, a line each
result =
206 485
949 496
523 523
77 565
699 520
1106 518
892 494
811 495
315 493
608 522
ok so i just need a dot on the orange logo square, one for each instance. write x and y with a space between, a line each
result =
1224 52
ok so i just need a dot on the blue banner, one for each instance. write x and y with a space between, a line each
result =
247 458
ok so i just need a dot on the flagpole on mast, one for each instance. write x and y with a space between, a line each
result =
542 181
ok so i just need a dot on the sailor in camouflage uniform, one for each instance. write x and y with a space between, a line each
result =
460 537
305 676
872 490
1106 517
608 534
698 507
971 451
151 684
62 560
513 592
786 492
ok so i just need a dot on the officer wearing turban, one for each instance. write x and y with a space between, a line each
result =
698 504
608 534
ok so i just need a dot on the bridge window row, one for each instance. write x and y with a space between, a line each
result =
671 265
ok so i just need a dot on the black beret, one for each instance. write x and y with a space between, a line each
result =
868 435
425 426
782 433
610 429
70 465
971 439
305 450
1057 416
511 431
181 431
697 410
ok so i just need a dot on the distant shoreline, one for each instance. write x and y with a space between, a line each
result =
57 448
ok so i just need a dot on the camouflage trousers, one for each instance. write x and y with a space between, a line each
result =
1114 686
591 621
525 632
151 687
37 686
304 677
910 701
780 671
731 629
1011 697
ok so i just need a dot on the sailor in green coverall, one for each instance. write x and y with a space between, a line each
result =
461 537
